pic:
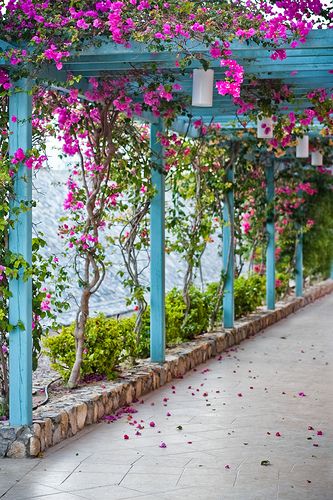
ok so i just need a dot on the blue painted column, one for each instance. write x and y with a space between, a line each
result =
331 271
299 263
228 255
20 302
270 229
157 249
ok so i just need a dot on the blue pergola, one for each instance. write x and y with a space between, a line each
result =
307 67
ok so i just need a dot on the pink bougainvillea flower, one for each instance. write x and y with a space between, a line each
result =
152 424
240 395
319 433
310 428
126 436
301 394
277 434
315 445
138 433
19 155
227 466
189 442
168 414
205 394
162 445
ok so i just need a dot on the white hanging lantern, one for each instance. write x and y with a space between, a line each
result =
202 90
316 159
302 147
265 127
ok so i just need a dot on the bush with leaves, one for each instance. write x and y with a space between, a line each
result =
108 342
178 326
249 294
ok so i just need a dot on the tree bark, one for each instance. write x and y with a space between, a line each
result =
79 332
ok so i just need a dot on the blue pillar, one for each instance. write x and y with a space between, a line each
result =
299 263
157 252
228 255
270 229
331 271
20 302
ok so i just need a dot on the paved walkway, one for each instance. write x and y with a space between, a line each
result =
256 424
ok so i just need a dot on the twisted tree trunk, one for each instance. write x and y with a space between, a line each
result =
79 334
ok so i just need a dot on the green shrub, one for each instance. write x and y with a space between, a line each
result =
282 285
211 300
198 318
174 317
108 342
249 294
176 330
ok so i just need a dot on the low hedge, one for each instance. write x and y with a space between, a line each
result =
110 342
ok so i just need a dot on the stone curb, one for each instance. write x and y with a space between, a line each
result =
65 417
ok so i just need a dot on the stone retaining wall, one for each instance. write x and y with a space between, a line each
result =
61 419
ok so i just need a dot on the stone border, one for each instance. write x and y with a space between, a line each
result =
63 418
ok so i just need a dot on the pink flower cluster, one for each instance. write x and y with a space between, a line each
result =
4 80
235 77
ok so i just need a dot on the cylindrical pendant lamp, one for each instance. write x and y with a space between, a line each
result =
316 159
265 127
202 90
302 147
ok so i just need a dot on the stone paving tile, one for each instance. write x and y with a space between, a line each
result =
269 399
25 491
